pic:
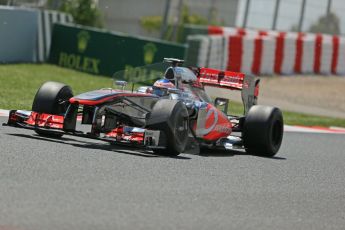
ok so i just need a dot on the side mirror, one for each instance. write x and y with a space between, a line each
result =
222 104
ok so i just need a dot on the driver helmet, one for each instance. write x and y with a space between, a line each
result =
160 87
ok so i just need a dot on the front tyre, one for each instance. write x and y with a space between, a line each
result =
263 130
170 117
51 98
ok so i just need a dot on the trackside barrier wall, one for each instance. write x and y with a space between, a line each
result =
18 31
102 52
25 33
267 52
47 18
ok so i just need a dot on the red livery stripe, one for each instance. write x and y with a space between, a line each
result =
105 99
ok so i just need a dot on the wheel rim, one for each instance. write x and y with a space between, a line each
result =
61 104
180 129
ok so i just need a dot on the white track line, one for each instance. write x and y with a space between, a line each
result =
287 128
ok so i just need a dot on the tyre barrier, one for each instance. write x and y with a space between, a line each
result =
267 52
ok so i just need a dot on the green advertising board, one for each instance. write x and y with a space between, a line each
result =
102 52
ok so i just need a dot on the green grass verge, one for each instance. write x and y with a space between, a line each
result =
293 118
19 83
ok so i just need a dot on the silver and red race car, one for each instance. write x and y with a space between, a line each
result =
169 122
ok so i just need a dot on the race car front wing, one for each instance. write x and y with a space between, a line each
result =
123 135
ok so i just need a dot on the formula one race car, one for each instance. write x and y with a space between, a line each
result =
166 120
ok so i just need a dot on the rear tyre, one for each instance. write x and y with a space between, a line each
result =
170 117
263 130
50 99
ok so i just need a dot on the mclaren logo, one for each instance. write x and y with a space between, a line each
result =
201 123
83 40
150 50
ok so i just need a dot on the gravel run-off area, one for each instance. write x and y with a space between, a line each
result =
317 95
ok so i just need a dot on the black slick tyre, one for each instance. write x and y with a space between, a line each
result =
51 98
263 130
171 118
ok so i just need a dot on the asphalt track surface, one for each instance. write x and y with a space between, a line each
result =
76 183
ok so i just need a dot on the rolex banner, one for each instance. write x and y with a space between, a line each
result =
102 52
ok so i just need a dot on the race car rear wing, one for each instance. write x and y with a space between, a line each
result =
224 79
247 84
